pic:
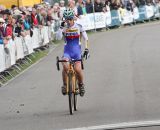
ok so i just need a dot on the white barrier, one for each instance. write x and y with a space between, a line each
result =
50 33
108 18
45 35
149 11
7 53
127 18
135 13
25 48
12 52
19 48
29 45
22 46
2 61
35 38
91 21
101 20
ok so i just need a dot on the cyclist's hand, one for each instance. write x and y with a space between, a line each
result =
86 54
63 24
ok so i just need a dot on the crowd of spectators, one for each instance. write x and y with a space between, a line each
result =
16 22
19 21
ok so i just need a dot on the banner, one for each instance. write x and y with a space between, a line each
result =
12 52
2 55
127 18
92 21
115 18
28 42
25 48
35 38
87 21
19 47
156 11
7 53
142 13
135 13
46 37
108 18
149 11
100 20
49 33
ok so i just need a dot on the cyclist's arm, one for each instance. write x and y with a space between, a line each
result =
84 36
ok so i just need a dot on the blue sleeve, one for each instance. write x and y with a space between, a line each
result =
1 41
26 25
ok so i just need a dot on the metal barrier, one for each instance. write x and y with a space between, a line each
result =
21 48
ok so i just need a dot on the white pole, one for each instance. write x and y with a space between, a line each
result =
94 16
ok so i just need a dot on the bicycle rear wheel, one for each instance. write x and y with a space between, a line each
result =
70 94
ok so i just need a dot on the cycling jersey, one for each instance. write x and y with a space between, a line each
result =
72 48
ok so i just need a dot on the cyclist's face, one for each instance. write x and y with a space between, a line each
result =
70 22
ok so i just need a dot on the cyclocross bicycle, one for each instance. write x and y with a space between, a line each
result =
72 88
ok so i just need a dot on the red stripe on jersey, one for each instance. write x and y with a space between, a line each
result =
72 37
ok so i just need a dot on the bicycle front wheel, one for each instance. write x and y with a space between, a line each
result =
75 95
70 93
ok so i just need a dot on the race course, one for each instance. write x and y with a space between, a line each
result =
122 79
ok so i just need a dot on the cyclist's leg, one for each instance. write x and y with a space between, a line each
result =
64 73
79 73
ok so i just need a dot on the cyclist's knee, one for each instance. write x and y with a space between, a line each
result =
78 69
65 66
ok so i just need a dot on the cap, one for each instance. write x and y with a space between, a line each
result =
17 12
2 20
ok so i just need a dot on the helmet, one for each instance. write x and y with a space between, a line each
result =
68 14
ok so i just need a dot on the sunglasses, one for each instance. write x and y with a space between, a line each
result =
1 23
69 19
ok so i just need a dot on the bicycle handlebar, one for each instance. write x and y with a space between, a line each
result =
71 61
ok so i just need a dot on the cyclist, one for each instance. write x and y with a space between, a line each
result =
72 33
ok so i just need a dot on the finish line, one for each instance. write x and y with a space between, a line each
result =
123 125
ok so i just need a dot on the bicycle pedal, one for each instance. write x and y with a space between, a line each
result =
77 91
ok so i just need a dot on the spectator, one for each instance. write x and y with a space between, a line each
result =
107 5
19 30
129 6
6 14
81 8
1 30
13 7
39 15
55 14
49 18
115 4
89 6
44 17
62 8
9 28
27 25
98 6
34 17
4 35
72 5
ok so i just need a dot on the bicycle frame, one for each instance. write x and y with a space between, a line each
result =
72 72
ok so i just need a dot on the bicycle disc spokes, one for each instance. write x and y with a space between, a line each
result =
70 94
75 95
